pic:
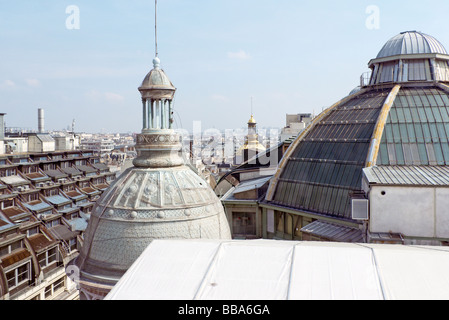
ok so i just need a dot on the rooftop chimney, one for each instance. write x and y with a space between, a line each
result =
40 118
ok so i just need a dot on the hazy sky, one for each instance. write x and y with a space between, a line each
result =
291 56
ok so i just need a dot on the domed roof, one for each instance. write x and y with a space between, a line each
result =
144 204
411 42
156 78
252 120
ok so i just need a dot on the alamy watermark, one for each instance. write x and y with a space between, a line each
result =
372 22
72 22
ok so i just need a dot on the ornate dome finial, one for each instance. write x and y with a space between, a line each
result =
156 63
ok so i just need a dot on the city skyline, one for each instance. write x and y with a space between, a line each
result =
84 61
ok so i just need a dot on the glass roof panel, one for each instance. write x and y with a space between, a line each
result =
328 168
430 125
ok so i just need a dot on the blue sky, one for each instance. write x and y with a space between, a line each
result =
290 56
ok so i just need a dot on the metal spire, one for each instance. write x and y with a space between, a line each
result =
155 25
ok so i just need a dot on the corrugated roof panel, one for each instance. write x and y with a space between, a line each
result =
408 175
333 232
38 206
14 180
57 200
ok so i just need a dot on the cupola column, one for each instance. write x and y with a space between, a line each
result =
170 114
144 110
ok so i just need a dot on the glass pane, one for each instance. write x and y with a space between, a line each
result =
439 100
438 153
415 116
408 159
431 154
426 131
391 154
404 102
432 100
396 133
411 132
434 132
407 115
400 114
422 115
415 154
445 99
418 101
429 114
444 115
399 154
437 114
411 101
445 149
423 154
419 133
441 132
393 115
425 101
404 134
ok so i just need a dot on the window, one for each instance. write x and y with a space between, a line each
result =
32 231
47 257
54 288
244 223
65 164
72 244
18 275
10 172
10 248
52 223
7 203
33 197
416 70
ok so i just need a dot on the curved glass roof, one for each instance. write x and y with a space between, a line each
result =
411 42
417 129
324 167
327 165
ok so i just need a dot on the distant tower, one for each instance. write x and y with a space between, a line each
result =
40 120
158 198
252 146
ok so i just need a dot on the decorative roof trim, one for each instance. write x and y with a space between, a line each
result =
379 128
300 137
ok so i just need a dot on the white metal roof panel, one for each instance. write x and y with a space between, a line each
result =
284 270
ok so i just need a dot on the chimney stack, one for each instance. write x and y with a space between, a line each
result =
40 118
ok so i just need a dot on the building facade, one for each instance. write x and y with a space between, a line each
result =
44 212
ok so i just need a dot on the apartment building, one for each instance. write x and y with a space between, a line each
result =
45 204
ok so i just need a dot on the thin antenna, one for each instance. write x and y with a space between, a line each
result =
155 24
251 105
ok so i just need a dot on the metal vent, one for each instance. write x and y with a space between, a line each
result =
360 209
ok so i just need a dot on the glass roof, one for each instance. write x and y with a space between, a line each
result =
417 129
327 165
